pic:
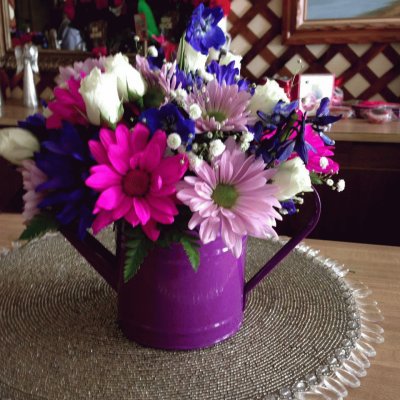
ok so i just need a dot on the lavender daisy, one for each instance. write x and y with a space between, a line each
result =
223 107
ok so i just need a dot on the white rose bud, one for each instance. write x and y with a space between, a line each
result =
266 96
99 92
292 178
194 111
174 141
130 83
216 148
340 185
17 145
329 182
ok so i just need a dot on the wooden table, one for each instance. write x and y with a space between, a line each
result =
360 130
14 111
377 266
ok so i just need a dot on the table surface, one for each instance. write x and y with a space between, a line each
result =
377 266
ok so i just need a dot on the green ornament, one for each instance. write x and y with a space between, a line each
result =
144 8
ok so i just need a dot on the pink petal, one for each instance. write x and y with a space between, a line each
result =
166 190
163 204
139 137
171 169
98 152
150 229
119 158
103 219
107 137
123 208
142 210
209 229
132 218
122 135
206 173
195 220
102 177
150 157
110 198
161 217
159 139
186 195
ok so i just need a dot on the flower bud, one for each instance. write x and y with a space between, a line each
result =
17 145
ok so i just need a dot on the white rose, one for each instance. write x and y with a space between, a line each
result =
99 92
130 83
192 60
229 57
266 96
292 178
16 145
216 148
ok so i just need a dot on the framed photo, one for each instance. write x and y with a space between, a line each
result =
311 88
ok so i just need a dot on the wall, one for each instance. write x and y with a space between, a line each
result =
369 71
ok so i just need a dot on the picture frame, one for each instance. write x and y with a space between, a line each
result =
309 89
297 28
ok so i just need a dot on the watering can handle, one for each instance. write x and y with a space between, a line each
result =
286 249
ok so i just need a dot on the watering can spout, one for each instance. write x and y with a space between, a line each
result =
100 258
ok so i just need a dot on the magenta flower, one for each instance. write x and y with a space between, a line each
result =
232 198
32 177
135 180
223 107
68 105
318 155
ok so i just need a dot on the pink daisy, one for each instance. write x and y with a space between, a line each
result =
68 105
134 178
328 166
231 197
32 177
223 107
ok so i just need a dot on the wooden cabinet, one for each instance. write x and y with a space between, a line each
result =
368 210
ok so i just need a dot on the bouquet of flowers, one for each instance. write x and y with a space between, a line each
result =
182 152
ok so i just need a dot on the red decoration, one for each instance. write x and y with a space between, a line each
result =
224 4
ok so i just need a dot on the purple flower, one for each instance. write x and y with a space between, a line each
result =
65 159
203 31
169 119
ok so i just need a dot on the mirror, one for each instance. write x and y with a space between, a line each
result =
340 21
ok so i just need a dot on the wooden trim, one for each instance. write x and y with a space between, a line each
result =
296 29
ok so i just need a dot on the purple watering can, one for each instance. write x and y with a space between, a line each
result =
166 304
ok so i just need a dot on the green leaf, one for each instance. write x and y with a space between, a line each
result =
190 246
38 226
315 179
138 249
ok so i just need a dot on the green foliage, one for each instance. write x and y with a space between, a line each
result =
315 179
138 246
38 226
191 246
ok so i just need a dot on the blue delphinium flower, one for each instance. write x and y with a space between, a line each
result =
187 80
289 206
322 120
203 31
170 119
65 158
36 124
158 61
228 74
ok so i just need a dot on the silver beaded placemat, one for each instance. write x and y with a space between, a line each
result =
59 338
